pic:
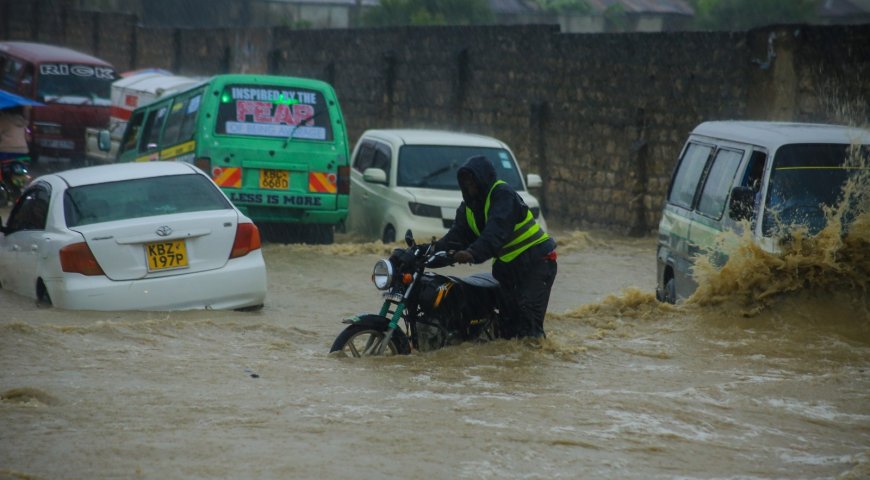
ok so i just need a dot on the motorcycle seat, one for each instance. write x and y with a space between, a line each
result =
482 280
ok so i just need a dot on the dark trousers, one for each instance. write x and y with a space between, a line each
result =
525 285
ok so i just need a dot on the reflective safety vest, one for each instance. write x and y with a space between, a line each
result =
526 234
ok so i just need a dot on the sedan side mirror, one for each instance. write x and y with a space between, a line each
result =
742 203
375 175
533 180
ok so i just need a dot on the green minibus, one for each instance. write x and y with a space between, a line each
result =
276 145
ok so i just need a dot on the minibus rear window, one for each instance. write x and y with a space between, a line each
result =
273 111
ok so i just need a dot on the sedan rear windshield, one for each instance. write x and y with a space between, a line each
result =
435 166
142 197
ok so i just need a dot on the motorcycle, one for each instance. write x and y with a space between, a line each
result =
436 310
14 176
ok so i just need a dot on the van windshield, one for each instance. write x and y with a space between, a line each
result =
435 166
75 84
805 179
273 111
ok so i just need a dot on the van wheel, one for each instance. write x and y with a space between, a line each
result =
318 234
671 291
389 235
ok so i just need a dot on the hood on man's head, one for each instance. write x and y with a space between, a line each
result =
482 170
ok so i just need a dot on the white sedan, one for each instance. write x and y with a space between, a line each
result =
133 236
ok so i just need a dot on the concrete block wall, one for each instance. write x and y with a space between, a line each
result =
601 117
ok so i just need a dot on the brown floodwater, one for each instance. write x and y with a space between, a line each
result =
745 380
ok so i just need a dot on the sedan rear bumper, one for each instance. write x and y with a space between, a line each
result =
238 284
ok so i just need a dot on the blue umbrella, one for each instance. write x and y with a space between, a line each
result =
9 100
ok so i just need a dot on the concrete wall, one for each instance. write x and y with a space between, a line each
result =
601 117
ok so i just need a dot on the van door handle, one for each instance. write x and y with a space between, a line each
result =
34 247
16 248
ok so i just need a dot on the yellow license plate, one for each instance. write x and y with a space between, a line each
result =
275 179
166 255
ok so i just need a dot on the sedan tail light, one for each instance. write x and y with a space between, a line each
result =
78 258
247 240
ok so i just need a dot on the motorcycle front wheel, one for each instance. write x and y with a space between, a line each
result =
361 341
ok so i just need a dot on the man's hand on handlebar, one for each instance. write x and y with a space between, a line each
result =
463 256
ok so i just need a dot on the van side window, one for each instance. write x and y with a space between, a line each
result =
718 183
181 121
151 130
755 171
132 132
364 157
688 175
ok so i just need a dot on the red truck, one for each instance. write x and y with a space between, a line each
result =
75 89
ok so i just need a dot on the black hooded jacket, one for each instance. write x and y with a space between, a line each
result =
506 209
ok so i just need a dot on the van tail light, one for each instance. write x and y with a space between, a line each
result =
247 240
204 164
343 183
78 258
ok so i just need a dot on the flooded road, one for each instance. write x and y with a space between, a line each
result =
622 388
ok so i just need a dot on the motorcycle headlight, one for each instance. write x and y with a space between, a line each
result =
382 275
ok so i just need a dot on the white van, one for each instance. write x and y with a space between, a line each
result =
772 174
134 90
406 179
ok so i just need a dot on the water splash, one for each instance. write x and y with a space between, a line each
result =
837 259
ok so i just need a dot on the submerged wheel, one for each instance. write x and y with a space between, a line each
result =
671 291
42 297
356 339
389 235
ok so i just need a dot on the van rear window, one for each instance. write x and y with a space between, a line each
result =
273 111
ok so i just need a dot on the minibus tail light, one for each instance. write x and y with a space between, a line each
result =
78 258
204 164
343 183
247 240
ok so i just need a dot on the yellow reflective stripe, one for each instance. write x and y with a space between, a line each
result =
469 216
521 230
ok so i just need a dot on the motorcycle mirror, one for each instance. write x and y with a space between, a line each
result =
409 238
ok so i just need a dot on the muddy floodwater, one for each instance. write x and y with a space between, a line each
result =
770 386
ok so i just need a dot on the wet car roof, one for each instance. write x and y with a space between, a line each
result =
40 52
123 171
774 134
434 137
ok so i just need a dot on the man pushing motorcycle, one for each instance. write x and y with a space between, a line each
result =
494 222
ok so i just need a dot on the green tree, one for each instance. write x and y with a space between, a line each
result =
428 12
746 14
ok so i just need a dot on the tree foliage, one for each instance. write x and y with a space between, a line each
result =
428 12
746 14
